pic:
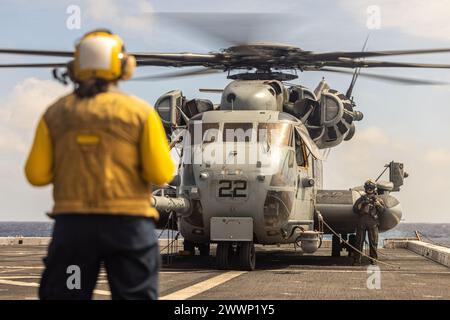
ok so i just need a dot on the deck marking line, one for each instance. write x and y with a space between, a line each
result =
203 286
36 285
19 277
21 267
351 271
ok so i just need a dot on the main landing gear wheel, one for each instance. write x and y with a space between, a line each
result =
335 247
224 254
247 255
204 249
352 241
189 247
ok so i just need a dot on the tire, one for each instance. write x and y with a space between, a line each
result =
204 249
352 241
189 246
247 256
335 247
223 255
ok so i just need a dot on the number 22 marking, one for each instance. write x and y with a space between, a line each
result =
231 188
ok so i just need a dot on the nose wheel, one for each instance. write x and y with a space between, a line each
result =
224 255
247 256
243 252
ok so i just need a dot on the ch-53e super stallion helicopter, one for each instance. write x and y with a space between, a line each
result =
251 166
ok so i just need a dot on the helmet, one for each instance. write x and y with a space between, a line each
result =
370 185
100 54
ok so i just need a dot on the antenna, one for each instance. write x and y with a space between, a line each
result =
356 73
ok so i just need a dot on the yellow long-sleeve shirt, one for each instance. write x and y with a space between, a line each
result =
100 153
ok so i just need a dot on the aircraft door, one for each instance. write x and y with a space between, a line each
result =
304 191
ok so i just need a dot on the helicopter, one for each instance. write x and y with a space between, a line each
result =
250 169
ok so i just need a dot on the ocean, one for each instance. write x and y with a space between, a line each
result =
438 233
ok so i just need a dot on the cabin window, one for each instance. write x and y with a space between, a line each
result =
203 132
300 152
237 132
276 134
210 132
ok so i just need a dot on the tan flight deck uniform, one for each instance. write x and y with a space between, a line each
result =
100 154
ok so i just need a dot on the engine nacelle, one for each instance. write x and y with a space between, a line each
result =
328 114
337 117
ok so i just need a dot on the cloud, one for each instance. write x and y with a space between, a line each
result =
427 19
21 109
129 15
365 156
438 157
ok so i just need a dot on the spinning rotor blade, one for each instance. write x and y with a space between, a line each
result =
207 90
34 65
199 58
366 54
394 79
350 63
38 52
181 74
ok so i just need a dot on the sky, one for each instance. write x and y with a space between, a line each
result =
409 124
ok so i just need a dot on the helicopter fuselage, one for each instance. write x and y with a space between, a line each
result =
261 171
251 169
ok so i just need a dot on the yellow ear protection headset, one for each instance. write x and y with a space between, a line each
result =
100 54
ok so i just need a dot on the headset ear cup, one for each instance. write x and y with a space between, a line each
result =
128 67
70 71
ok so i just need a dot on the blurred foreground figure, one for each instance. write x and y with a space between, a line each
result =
101 149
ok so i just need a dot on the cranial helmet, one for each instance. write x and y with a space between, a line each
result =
370 185
100 54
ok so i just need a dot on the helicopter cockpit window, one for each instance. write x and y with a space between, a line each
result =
275 134
300 154
237 132
210 132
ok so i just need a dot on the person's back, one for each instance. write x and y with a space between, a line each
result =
101 151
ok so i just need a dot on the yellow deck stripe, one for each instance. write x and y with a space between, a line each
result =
36 285
203 286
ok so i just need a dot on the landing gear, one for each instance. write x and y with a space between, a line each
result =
247 256
204 249
351 241
335 247
224 255
244 252
189 246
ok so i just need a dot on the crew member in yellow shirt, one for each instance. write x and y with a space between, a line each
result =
101 149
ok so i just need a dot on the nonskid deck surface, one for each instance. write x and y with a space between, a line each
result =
281 274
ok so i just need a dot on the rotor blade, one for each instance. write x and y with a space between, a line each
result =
207 90
186 73
366 54
177 57
394 79
49 53
350 63
33 65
